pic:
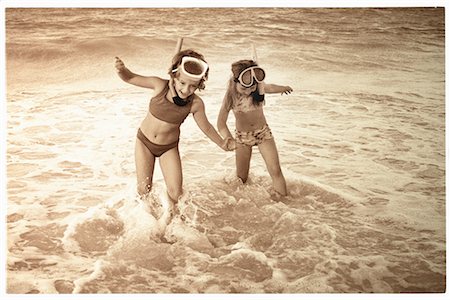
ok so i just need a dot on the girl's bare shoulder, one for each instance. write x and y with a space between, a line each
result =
159 84
197 103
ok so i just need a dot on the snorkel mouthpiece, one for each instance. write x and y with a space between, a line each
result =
179 101
257 96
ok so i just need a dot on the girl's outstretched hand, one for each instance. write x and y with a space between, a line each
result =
120 66
286 90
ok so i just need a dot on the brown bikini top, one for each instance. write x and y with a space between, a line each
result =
169 112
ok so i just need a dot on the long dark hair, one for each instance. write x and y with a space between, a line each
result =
232 95
176 61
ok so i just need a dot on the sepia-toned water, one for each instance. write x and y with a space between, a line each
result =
361 143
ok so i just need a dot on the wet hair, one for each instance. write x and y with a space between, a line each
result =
232 95
241 65
190 67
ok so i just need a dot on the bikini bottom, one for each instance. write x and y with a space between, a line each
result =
253 138
155 149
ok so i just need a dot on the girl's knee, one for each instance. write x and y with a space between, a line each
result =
174 193
144 185
143 189
276 172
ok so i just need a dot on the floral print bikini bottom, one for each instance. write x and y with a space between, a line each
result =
253 138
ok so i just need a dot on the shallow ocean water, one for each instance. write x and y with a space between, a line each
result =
361 143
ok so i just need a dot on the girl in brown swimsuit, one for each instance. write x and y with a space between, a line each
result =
245 96
159 132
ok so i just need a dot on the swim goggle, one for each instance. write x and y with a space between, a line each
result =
192 67
248 76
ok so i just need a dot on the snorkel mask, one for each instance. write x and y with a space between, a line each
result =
192 67
249 77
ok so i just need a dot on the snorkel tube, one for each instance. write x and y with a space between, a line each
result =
259 94
179 44
177 99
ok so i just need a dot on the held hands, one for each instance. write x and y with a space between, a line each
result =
229 144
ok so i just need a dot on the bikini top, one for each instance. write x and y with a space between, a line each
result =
169 112
245 104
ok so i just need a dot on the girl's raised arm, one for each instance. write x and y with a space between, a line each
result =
135 79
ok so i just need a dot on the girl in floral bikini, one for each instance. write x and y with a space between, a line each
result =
245 96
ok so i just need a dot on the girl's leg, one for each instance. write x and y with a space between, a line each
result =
170 163
145 164
243 155
269 152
